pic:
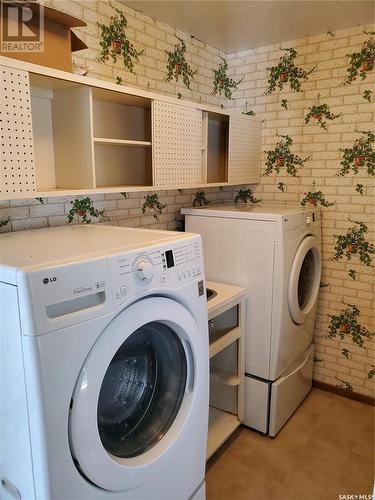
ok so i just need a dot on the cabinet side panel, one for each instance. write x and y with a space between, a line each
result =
177 145
15 449
17 173
72 135
244 150
43 138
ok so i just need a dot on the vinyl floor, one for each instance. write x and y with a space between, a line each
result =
324 451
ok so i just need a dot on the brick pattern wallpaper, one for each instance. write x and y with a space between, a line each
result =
328 54
151 35
119 211
154 37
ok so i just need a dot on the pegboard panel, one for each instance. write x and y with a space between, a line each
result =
244 150
17 153
177 145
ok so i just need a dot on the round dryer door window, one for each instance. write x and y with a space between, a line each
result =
142 390
135 392
304 279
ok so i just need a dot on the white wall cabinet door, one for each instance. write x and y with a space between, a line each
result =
17 171
244 150
177 145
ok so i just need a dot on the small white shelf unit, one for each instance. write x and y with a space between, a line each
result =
226 319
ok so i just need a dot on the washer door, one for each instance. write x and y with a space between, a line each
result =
134 394
304 279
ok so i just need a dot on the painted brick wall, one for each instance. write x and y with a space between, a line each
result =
119 211
154 37
151 35
328 55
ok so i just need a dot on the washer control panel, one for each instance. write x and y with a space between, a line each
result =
168 266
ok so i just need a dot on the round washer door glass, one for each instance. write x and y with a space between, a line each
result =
304 280
142 390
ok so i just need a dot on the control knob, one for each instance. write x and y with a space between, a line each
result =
144 270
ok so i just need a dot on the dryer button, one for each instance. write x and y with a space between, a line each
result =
124 290
162 278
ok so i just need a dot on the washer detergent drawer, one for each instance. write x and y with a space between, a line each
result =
289 391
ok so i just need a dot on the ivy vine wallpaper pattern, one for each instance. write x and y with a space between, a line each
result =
318 150
315 97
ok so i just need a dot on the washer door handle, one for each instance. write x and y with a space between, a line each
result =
190 367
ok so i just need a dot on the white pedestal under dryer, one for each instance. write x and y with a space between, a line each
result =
275 252
104 365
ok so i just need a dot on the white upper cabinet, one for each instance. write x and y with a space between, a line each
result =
177 145
244 150
64 134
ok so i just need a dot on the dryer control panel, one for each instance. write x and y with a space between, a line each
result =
305 221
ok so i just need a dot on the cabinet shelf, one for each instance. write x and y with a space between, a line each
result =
224 341
116 165
121 142
221 425
224 377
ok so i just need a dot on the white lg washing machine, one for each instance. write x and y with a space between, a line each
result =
276 253
104 365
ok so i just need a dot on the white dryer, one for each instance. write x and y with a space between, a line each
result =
275 252
104 365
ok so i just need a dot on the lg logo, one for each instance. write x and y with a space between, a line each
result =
49 280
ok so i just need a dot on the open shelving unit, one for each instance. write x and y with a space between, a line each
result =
88 138
121 139
226 334
66 135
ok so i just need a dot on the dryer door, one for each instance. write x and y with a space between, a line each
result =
134 394
304 279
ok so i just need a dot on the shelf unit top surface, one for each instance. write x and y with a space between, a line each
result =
226 294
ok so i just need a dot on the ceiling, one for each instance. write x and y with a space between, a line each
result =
238 25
